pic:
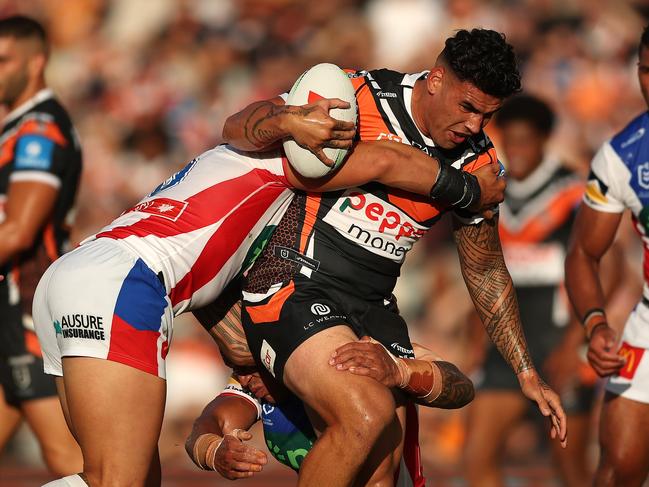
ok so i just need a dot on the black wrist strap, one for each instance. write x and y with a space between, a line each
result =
455 188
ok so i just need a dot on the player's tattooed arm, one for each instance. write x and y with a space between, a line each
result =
231 339
457 388
491 289
263 125
493 295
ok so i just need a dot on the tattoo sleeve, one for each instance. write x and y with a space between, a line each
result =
457 389
491 289
259 128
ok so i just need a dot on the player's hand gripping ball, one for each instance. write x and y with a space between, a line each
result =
321 81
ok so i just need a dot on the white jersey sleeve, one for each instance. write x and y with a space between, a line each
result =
608 188
234 388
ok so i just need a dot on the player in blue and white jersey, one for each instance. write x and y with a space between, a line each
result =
619 180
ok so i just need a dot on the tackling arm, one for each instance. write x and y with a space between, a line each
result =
216 440
427 379
262 125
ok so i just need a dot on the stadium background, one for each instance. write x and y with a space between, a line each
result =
149 84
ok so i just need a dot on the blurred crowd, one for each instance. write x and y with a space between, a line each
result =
149 84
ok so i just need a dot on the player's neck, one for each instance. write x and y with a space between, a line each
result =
417 106
28 93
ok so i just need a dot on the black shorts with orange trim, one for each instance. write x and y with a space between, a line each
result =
278 323
21 368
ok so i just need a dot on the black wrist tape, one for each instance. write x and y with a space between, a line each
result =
455 188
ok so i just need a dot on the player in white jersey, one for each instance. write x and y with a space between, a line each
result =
619 180
114 297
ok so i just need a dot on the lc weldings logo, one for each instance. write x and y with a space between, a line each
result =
320 309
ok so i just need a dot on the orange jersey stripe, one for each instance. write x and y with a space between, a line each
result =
313 201
269 312
371 125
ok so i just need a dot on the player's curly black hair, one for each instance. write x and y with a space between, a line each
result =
485 59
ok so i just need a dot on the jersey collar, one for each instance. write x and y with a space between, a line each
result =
40 96
408 81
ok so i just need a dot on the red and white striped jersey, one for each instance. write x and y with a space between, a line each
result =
203 225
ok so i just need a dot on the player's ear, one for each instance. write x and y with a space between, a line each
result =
434 79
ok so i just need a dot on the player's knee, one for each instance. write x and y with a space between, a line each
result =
620 468
368 412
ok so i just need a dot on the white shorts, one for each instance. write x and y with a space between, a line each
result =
633 380
101 300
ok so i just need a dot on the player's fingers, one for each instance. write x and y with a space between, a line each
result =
339 144
343 125
241 434
355 360
337 103
362 370
362 346
250 455
235 474
342 134
323 157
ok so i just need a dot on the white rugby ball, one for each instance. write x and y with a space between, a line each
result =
323 80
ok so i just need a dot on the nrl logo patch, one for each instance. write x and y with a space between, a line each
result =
643 175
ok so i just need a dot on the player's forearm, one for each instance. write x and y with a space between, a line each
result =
582 282
259 126
435 383
231 339
13 240
491 289
220 417
404 167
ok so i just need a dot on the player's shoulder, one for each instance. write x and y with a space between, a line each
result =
632 142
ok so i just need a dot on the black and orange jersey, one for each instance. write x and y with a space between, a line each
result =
358 238
535 222
38 143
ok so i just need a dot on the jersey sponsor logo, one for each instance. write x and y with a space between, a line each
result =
80 326
164 207
643 175
386 94
34 152
175 178
268 356
634 138
319 309
374 224
632 356
388 136
402 350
